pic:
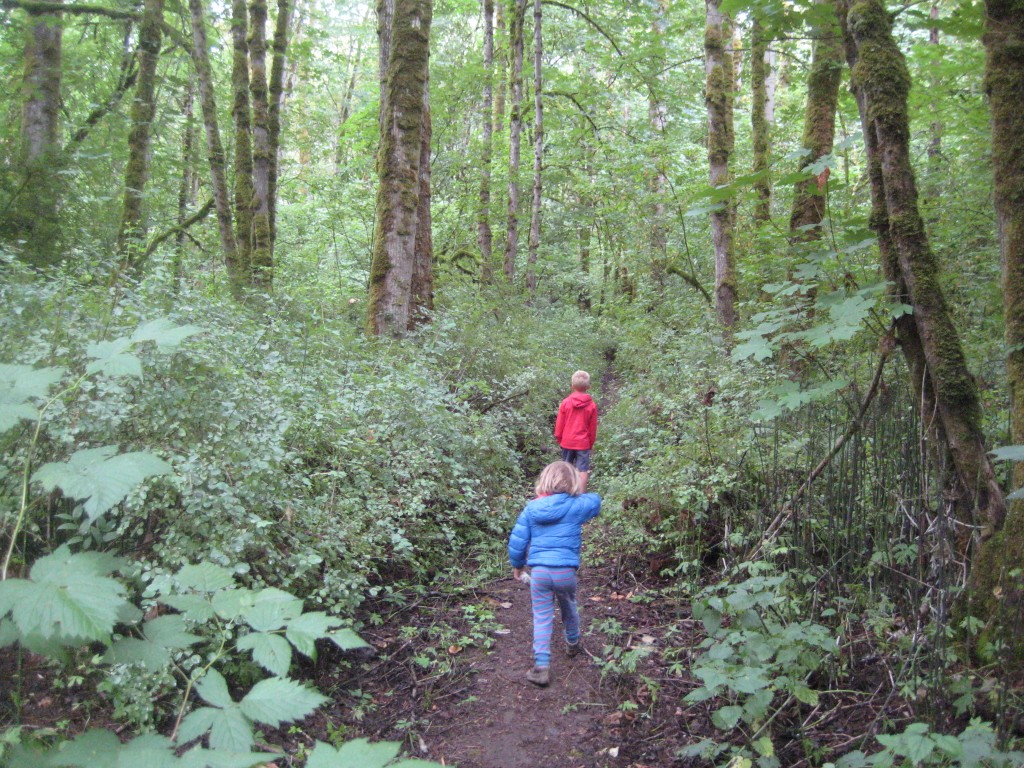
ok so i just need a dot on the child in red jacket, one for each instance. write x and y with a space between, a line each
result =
576 426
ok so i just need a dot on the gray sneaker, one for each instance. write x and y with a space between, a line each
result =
539 676
573 649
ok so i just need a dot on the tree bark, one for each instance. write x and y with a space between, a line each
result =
263 154
819 124
277 96
186 187
35 212
882 84
484 236
721 139
398 165
501 65
423 257
515 133
759 120
214 147
1004 83
241 112
132 234
538 149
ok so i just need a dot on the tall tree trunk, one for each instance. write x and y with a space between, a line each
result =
132 234
721 139
658 115
484 237
882 82
35 210
759 120
186 188
538 149
277 96
501 60
241 112
214 146
819 123
1004 84
398 165
515 133
423 258
262 258
771 85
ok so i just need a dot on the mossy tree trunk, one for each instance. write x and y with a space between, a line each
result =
398 166
500 64
187 184
277 94
819 122
241 113
484 236
718 67
759 127
538 150
34 213
262 258
1004 83
882 83
214 146
515 131
132 233
422 288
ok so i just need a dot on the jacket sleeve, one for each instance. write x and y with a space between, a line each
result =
560 423
519 541
589 506
593 426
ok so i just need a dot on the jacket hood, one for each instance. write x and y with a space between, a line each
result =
550 509
580 399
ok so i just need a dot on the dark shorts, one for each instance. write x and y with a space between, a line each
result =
579 459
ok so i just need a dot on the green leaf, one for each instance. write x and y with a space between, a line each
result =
305 630
749 681
359 753
96 748
347 640
272 609
167 335
169 632
213 689
67 597
197 757
113 359
205 577
229 728
726 718
1008 453
193 607
129 649
278 700
805 695
270 651
100 477
18 385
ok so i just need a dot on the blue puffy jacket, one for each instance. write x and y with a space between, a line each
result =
551 527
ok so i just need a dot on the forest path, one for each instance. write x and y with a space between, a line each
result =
503 720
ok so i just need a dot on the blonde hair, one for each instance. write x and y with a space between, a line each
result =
581 380
558 477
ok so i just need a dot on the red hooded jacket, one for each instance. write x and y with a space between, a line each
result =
576 425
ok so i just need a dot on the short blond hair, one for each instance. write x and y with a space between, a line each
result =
581 380
558 477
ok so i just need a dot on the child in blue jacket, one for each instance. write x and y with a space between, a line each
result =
550 529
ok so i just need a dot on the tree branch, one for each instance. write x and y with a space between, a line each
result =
194 218
691 280
587 19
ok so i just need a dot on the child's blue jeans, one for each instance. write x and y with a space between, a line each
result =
548 585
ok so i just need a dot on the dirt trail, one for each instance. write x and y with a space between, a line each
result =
505 721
